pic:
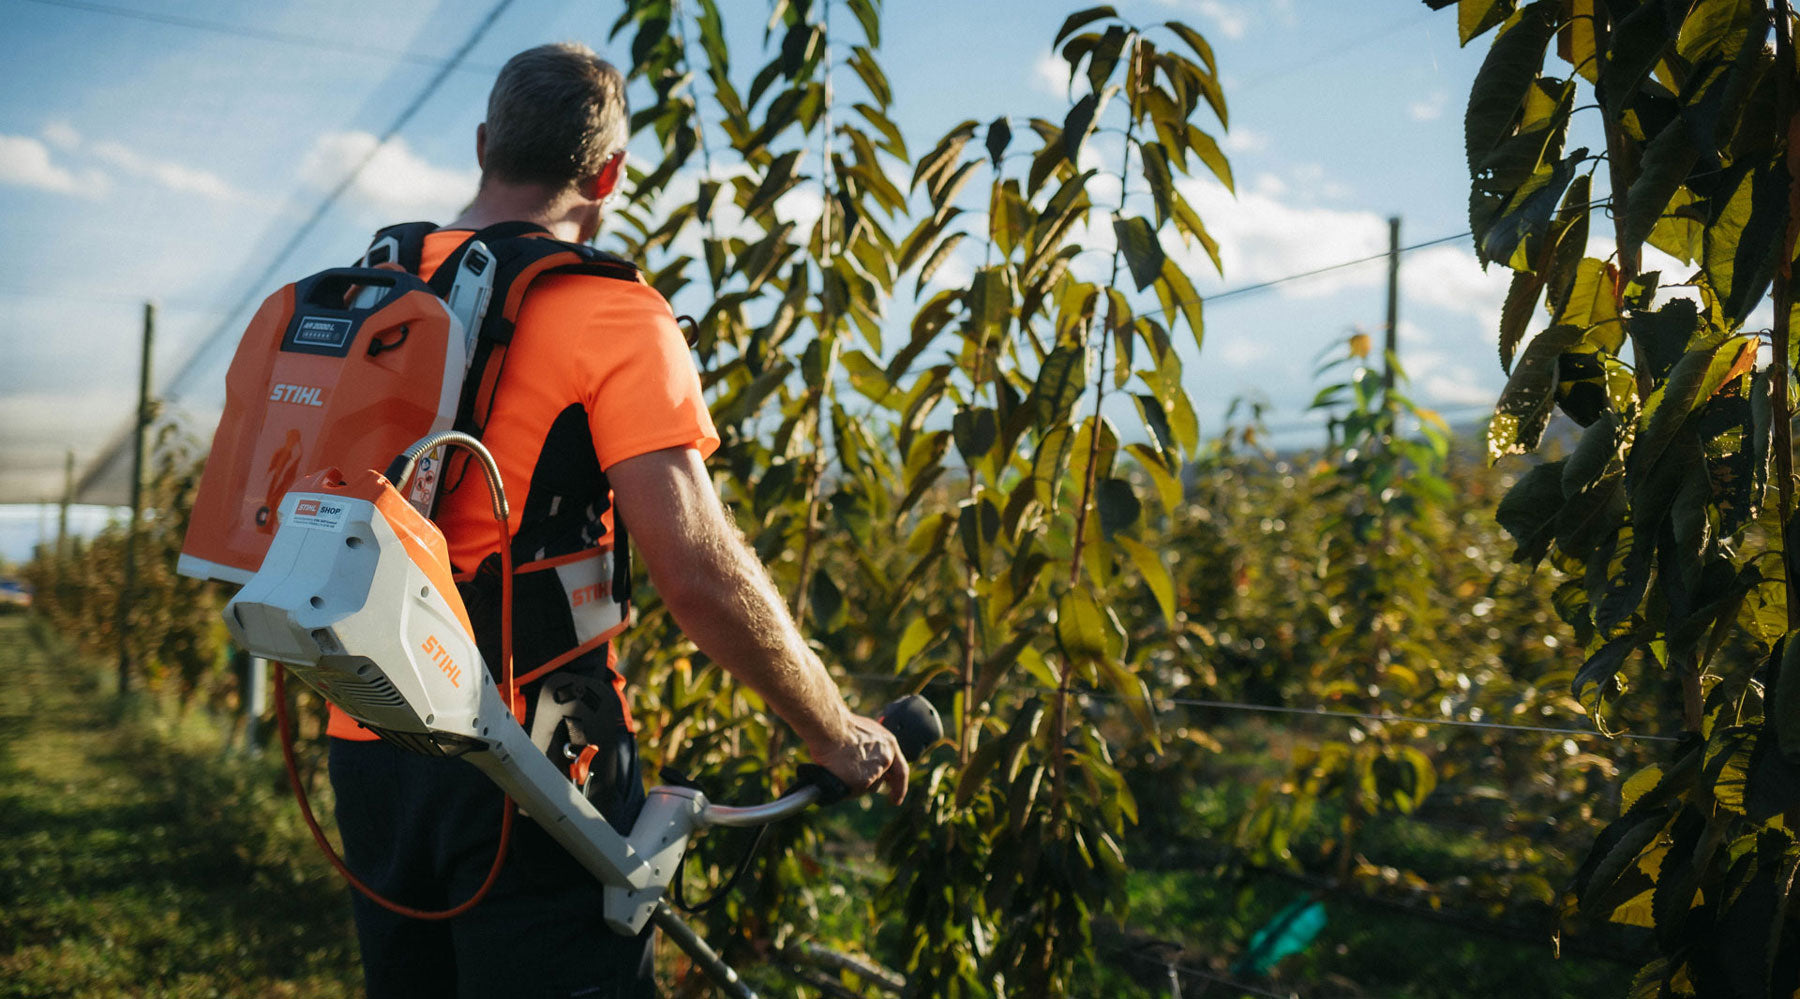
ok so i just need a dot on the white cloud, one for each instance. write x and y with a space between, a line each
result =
1231 20
1262 236
1429 108
1440 379
396 181
62 135
171 175
165 173
1244 140
1449 277
26 162
1050 74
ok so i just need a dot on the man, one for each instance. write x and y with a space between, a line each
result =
597 390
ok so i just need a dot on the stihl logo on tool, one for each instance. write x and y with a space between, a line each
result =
303 395
590 594
306 508
441 657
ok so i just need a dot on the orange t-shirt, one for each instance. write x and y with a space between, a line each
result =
609 347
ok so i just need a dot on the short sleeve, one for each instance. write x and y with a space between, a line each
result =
643 393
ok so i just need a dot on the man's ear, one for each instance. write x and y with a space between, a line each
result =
607 180
481 145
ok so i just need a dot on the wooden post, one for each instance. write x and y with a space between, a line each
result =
1393 304
68 496
128 585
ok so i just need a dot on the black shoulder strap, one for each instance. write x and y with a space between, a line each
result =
402 244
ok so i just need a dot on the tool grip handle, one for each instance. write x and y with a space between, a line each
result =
915 724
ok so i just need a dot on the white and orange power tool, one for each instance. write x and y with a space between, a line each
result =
355 597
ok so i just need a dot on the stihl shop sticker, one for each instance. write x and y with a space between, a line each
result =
325 514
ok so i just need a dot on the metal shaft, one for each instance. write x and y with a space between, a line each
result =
716 969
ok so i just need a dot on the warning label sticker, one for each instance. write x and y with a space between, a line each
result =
323 514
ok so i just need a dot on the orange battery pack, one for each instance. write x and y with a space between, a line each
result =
345 368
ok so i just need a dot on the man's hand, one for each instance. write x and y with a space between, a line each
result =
863 756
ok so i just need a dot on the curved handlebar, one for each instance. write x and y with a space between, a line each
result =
916 726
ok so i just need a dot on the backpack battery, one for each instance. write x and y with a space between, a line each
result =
327 374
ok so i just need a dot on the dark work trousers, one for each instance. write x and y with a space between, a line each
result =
422 831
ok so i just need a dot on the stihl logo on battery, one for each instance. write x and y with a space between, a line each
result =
306 508
441 657
590 594
302 395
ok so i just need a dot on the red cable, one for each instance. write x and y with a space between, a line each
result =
506 816
318 834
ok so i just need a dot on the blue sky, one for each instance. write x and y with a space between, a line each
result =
146 159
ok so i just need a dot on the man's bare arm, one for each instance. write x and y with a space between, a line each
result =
723 599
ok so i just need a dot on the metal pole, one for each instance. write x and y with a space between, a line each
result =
1393 304
129 585
684 937
68 496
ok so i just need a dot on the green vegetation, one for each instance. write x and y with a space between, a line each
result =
138 857
1111 617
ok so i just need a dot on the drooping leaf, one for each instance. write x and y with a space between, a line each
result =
999 136
1143 253
1523 410
1076 21
1664 168
1528 511
1506 75
1475 17
1081 625
1118 505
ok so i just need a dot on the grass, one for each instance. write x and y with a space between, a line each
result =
139 858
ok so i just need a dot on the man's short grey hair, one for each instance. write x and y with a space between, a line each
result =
556 113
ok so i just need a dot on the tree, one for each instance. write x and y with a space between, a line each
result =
957 504
1675 566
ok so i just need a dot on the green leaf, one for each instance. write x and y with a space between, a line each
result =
990 301
1664 168
778 181
1207 148
870 18
975 431
1118 504
1740 245
862 61
1076 21
1506 75
1059 384
1475 17
1638 43
1694 379
1161 181
1150 565
1178 296
1195 41
1081 626
938 258
1076 125
999 136
827 602
1523 224
1143 253
1604 664
1617 850
1528 511
1515 315
1523 410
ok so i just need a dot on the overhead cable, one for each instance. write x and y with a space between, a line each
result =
1323 712
264 34
255 288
